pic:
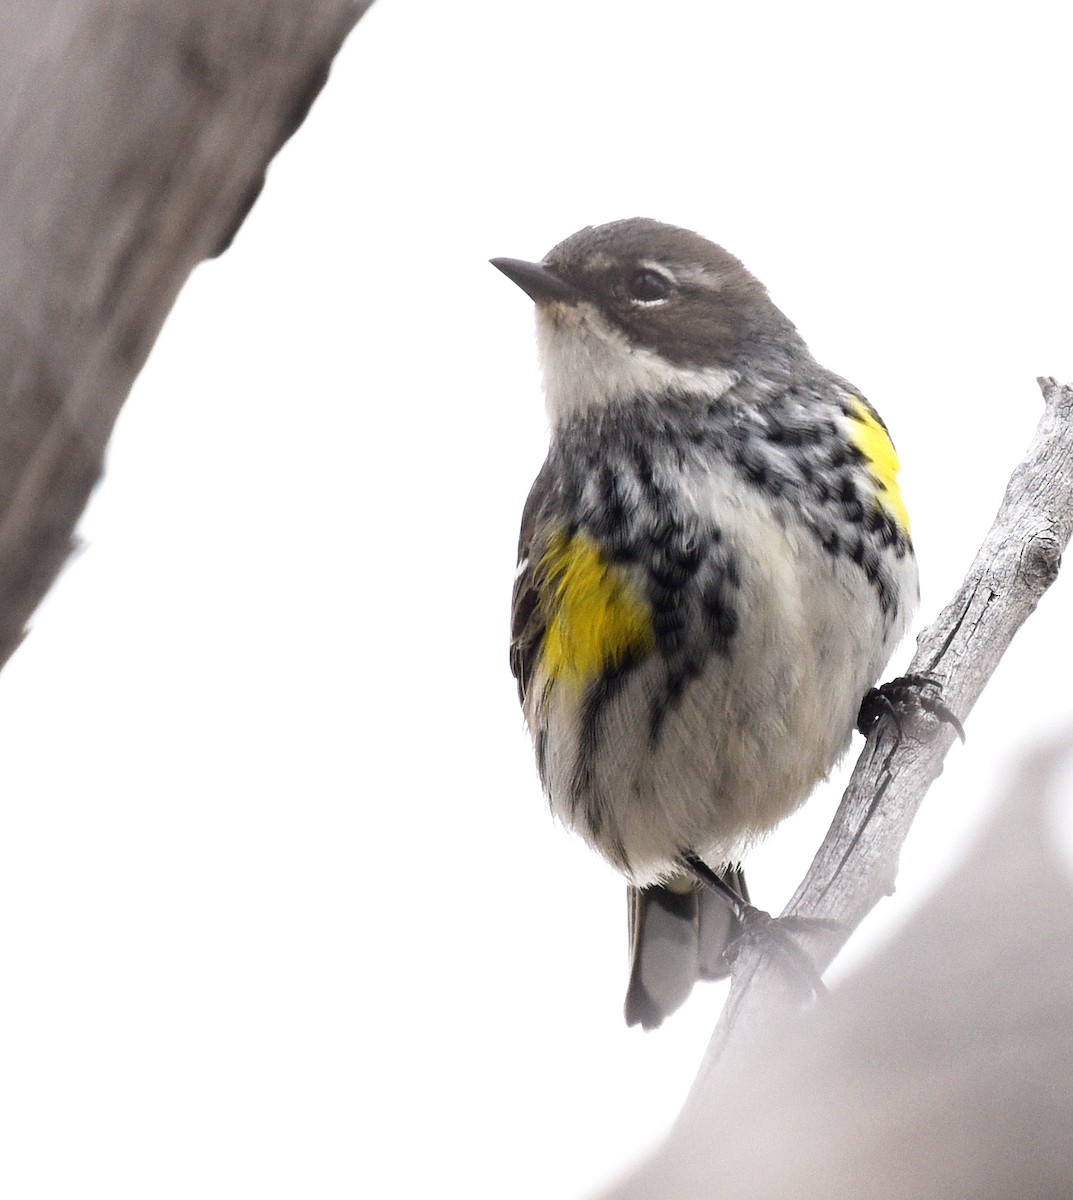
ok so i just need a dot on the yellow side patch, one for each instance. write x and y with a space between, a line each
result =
595 617
874 443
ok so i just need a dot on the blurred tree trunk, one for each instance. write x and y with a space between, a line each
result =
134 139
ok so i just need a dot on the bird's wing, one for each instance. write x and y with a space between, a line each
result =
527 621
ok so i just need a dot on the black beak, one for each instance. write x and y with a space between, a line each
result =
536 280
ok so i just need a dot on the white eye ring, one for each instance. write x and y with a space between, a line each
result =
648 287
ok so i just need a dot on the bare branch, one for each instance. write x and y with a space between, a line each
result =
857 863
135 139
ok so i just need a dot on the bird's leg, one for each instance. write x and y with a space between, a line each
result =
704 874
756 923
903 694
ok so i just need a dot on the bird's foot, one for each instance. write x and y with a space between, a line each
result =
761 928
906 694
778 934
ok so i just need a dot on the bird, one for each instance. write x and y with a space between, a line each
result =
714 566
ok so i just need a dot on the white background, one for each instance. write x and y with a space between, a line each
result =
282 912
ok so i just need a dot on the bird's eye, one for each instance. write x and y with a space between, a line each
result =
648 286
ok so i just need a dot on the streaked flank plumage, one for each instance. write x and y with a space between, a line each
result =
714 567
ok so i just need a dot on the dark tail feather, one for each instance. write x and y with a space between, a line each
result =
677 936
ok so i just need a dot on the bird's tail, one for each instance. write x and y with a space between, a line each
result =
678 932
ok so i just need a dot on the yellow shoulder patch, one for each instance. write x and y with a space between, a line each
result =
595 618
873 441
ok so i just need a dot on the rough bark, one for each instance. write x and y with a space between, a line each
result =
135 138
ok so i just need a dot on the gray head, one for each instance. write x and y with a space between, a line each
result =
638 308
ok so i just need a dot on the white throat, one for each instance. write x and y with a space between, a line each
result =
588 364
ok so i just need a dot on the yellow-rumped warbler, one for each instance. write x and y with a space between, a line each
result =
714 567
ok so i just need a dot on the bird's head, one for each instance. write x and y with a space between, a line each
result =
638 309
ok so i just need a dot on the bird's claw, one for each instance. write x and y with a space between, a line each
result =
905 693
762 928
